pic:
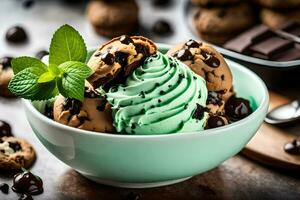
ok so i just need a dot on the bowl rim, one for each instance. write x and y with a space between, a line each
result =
263 106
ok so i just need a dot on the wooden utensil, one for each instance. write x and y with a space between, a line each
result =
267 145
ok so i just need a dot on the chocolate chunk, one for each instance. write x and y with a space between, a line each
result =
125 39
5 129
291 27
4 188
214 98
161 3
16 34
28 4
210 59
199 112
121 58
184 54
41 54
192 44
133 196
101 105
25 197
49 111
73 105
108 58
293 147
90 93
27 183
242 42
237 108
287 55
15 146
142 49
215 121
162 27
6 62
271 46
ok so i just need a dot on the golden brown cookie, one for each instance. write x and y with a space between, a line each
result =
275 19
213 2
280 4
15 154
116 59
6 74
218 24
93 114
207 62
113 18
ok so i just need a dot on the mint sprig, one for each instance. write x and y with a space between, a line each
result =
65 74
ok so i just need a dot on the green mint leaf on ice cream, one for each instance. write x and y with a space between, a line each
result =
65 74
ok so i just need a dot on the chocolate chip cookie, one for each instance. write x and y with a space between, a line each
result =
219 24
6 74
275 19
15 153
280 4
84 115
116 59
213 2
113 18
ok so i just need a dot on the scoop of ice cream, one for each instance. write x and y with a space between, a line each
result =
93 114
162 96
116 60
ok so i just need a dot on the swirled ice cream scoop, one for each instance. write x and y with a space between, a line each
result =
162 96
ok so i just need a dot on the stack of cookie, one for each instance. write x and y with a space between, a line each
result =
219 20
113 17
277 12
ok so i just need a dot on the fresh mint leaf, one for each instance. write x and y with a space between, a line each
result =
20 63
46 77
55 70
71 83
67 45
25 84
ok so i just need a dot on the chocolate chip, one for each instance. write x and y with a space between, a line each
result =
108 58
28 3
162 27
25 197
186 106
159 101
237 108
210 59
121 58
27 183
133 196
184 54
125 39
215 121
16 34
142 49
15 146
49 111
214 98
133 126
4 188
5 129
73 105
192 44
161 3
41 54
142 94
162 92
222 77
6 62
90 93
222 13
199 112
293 147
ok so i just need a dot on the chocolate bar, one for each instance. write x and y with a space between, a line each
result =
262 42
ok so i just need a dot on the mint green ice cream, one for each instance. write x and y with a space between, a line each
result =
159 97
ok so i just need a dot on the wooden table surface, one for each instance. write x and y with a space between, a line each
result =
236 178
